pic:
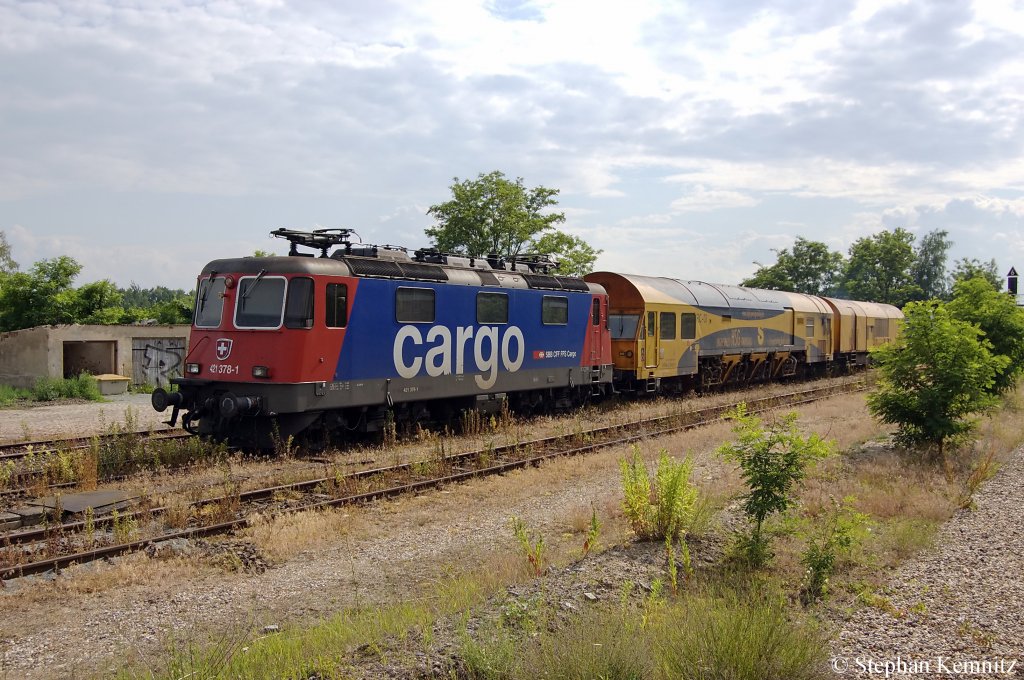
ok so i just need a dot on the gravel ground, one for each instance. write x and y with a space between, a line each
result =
76 420
962 601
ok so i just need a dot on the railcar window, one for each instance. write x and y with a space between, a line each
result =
623 326
414 305
337 305
595 313
651 319
491 308
298 310
689 323
555 310
209 303
810 326
260 302
668 326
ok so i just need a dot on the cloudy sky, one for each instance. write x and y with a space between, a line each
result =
688 139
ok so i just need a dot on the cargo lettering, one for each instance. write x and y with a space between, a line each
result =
446 355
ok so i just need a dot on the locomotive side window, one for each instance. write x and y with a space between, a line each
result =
414 305
668 326
595 313
554 310
689 324
337 305
623 326
260 302
298 310
209 303
491 308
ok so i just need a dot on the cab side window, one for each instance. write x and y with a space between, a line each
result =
337 305
298 308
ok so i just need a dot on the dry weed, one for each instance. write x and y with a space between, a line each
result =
282 537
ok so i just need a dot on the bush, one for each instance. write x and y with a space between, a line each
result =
772 461
839 530
664 510
84 386
934 378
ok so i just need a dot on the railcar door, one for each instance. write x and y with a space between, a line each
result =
651 341
595 332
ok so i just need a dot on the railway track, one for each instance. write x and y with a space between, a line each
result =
76 542
17 451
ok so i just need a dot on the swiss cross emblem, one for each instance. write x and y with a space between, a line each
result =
223 348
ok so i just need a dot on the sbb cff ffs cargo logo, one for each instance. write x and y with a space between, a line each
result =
224 348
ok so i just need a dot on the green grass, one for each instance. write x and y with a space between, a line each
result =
732 632
323 650
83 386
11 395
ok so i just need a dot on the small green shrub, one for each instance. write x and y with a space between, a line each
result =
533 548
772 461
593 532
841 529
664 509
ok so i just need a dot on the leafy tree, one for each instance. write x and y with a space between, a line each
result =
969 268
937 374
7 263
929 268
879 268
177 310
811 268
999 318
98 302
43 295
772 461
495 215
774 277
576 257
166 305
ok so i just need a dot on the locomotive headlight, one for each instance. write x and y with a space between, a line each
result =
260 372
192 369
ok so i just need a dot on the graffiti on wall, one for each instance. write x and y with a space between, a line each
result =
157 360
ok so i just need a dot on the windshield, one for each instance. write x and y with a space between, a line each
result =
623 326
260 302
209 303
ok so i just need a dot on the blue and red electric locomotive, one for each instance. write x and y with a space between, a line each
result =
331 344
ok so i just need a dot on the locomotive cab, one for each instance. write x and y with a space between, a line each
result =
263 330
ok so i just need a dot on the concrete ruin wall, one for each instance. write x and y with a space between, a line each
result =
150 354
